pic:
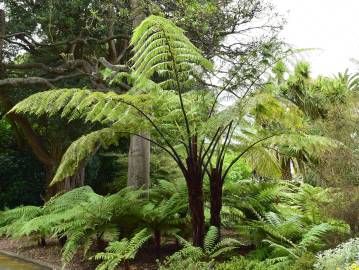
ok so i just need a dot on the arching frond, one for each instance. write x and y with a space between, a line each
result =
161 47
121 251
210 239
84 148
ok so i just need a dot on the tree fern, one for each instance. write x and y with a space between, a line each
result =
281 219
97 220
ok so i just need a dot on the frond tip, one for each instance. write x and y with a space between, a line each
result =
84 148
161 47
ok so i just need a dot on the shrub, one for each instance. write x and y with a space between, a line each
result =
304 262
189 265
344 256
243 263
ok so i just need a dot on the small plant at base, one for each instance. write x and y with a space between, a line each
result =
212 249
121 251
344 256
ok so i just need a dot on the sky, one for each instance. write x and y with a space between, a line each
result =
330 26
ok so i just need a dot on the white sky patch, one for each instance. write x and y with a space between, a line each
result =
329 25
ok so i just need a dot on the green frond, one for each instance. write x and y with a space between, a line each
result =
161 47
120 251
288 251
314 235
84 148
225 247
210 239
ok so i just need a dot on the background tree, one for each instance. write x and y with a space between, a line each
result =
329 104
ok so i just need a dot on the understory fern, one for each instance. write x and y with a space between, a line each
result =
88 221
283 221
121 251
13 220
212 248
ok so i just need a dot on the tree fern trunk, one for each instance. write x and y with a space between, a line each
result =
41 242
157 238
194 182
196 206
216 199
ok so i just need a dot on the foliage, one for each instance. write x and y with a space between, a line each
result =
188 264
283 221
306 261
210 251
21 175
95 221
240 171
12 220
303 263
161 47
65 43
168 98
121 251
167 208
164 65
87 220
330 104
243 263
344 256
80 216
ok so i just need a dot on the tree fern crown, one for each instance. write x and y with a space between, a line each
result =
160 47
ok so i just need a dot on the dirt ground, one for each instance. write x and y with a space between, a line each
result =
51 253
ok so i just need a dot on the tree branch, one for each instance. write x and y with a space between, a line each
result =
37 80
107 64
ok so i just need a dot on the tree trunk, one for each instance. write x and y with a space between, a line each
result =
157 238
285 169
2 34
139 152
137 12
69 183
216 199
139 162
194 182
196 206
31 137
